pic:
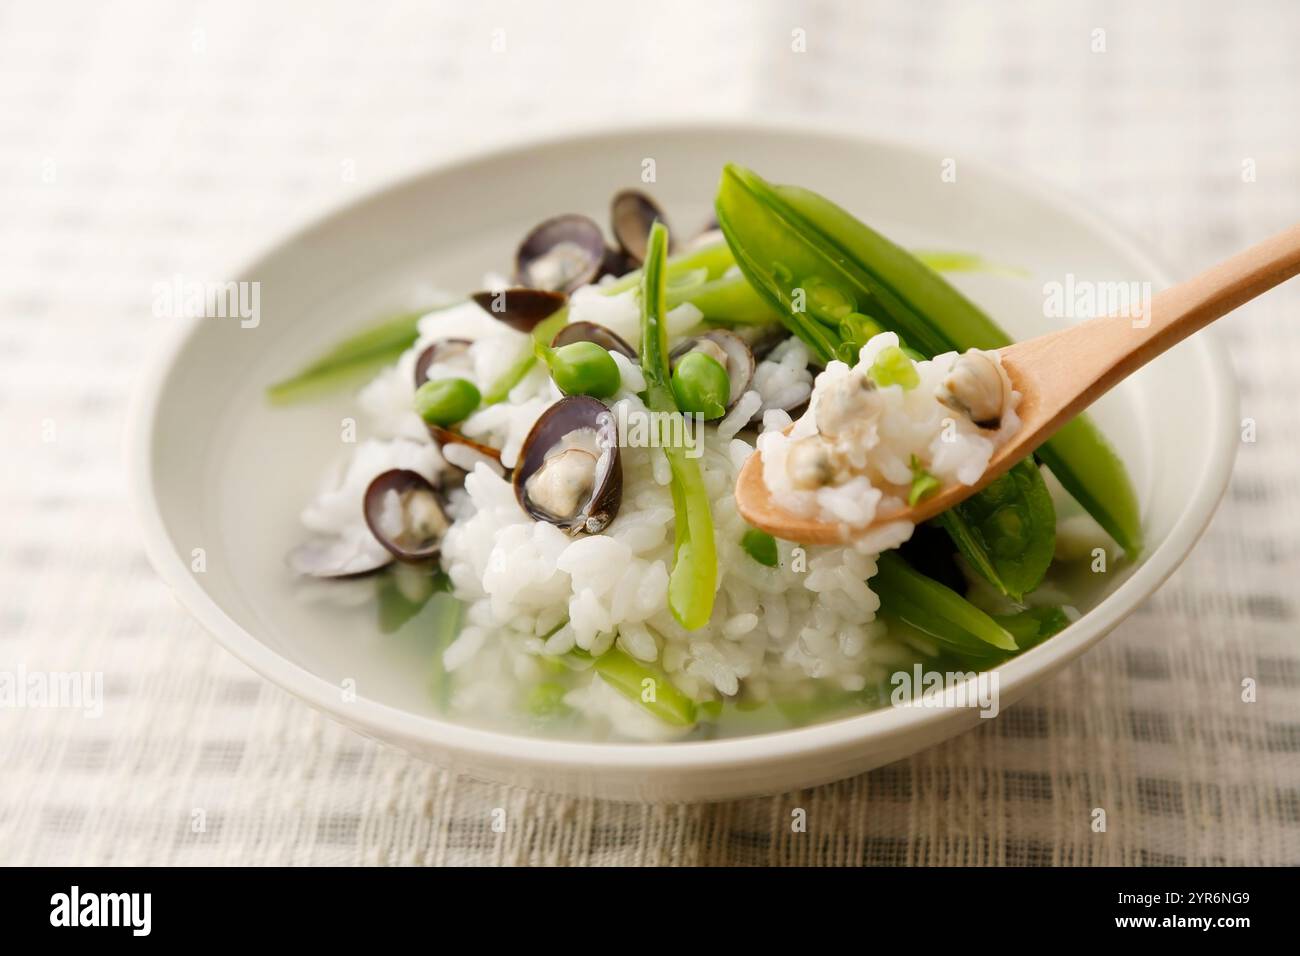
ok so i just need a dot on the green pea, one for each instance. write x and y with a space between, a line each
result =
582 368
828 301
446 401
761 546
701 385
855 329
893 367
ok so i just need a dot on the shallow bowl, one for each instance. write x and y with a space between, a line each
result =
217 473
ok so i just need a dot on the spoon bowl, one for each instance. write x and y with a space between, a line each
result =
1058 375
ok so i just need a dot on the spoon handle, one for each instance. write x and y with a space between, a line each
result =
1190 306
1072 368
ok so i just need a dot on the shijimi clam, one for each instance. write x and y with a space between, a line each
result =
631 214
570 474
591 332
561 255
522 309
404 514
448 353
730 351
978 387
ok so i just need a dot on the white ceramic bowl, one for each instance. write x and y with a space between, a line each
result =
214 468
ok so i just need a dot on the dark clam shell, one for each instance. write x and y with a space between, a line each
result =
740 359
409 544
591 332
445 436
631 214
554 432
616 264
437 352
522 309
762 341
560 255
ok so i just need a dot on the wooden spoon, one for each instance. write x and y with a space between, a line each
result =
1060 374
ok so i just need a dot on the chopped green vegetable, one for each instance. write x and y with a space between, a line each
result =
1086 465
1034 625
730 300
363 352
446 401
893 367
760 546
936 610
694 576
783 237
946 261
581 368
441 620
647 685
923 483
397 601
546 700
701 386
801 709
545 331
1007 531
930 551
1030 627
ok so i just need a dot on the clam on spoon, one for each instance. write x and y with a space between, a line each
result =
1058 375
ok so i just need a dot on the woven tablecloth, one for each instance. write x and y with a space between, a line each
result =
143 140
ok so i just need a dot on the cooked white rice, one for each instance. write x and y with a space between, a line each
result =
533 592
911 423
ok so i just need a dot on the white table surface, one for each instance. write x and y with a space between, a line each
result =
143 140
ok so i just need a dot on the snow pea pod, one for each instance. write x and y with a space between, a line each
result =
646 685
694 576
1034 625
785 238
936 610
729 300
1030 627
1008 530
945 260
366 351
402 591
440 621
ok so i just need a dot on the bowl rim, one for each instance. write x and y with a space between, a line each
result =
548 755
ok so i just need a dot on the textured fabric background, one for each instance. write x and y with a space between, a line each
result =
141 140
